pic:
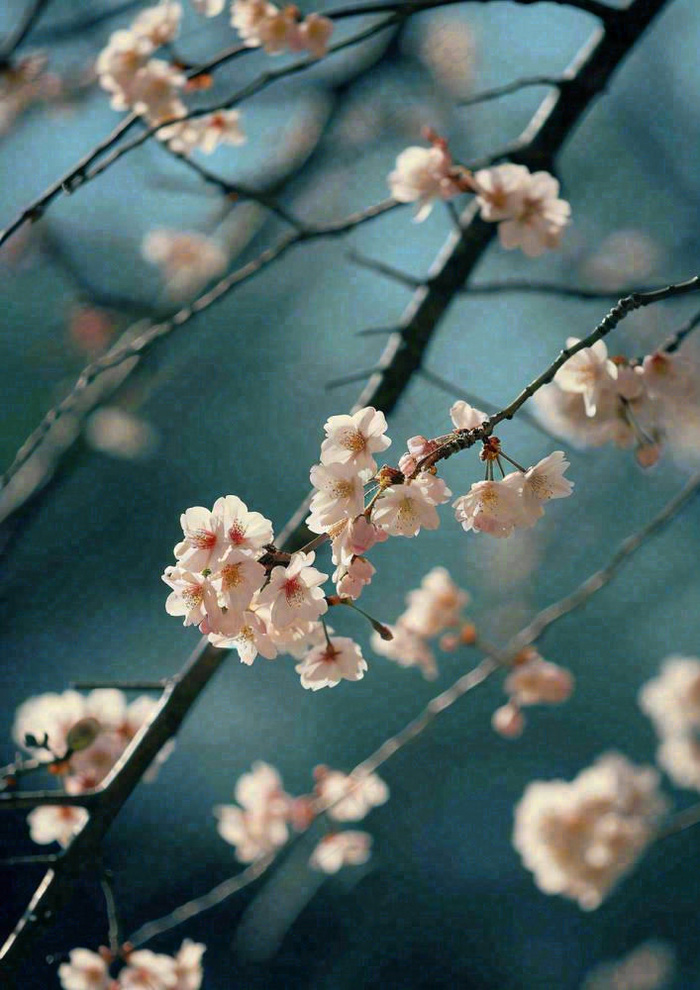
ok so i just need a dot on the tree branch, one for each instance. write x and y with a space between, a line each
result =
514 87
31 15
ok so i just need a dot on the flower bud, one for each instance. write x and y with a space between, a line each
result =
83 734
508 721
647 454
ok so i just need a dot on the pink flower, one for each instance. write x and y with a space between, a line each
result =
422 176
202 542
241 529
238 580
538 682
466 417
314 34
491 507
258 824
407 648
328 664
402 510
353 796
148 970
188 965
293 592
341 849
586 373
252 639
350 579
527 205
340 495
192 595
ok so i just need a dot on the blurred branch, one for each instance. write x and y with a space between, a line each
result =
113 925
33 799
600 10
514 87
675 341
680 822
31 15
84 23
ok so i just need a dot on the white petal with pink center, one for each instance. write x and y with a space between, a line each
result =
341 849
251 640
491 507
293 593
148 970
330 663
422 176
85 970
353 439
241 529
238 580
539 682
55 823
192 595
586 373
354 539
340 495
502 189
203 539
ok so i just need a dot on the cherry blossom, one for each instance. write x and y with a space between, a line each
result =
154 92
353 439
352 796
242 530
408 650
147 970
261 23
330 663
508 721
340 495
85 970
192 596
542 482
159 24
187 260
118 63
203 539
314 34
237 581
355 538
350 579
648 967
404 509
293 593
259 825
525 205
247 16
679 756
579 838
538 682
435 606
341 849
424 175
55 823
208 8
466 417
672 700
188 965
492 507
204 133
253 639
585 373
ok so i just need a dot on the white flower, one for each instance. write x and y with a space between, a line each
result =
668 376
341 849
679 756
527 205
353 439
202 539
672 700
340 495
407 649
117 65
159 24
148 970
259 825
297 637
188 965
315 33
492 507
86 971
293 592
404 509
154 92
55 823
252 639
187 261
423 175
538 682
564 415
328 664
586 373
648 967
542 482
579 838
192 595
247 17
350 579
279 30
242 530
355 795
48 714
204 133
508 721
435 606
208 8
466 417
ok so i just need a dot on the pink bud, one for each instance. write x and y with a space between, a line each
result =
407 464
420 446
508 721
362 535
648 454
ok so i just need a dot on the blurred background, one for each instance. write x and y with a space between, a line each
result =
235 401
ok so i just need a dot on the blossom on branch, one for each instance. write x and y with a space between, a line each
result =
578 838
525 205
187 261
55 823
424 175
160 24
341 849
260 23
85 970
293 593
404 509
330 663
146 970
352 796
204 133
493 507
353 439
258 824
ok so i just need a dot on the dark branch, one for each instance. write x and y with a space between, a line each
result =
674 342
31 15
514 87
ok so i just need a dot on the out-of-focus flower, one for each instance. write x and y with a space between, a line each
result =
648 967
408 650
187 260
435 606
525 205
355 795
341 849
148 970
118 64
539 682
424 175
85 970
328 664
672 700
578 838
119 433
159 24
259 825
55 823
623 258
204 133
154 92
188 965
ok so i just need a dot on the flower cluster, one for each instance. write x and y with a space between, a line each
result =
432 609
516 501
578 838
187 261
262 24
595 399
259 823
144 970
533 681
80 738
525 205
152 87
672 702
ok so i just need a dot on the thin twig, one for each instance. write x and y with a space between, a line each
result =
513 87
113 926
674 342
680 822
120 685
23 800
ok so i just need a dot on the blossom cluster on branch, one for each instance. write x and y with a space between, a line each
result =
141 970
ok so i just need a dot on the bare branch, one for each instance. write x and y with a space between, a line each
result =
113 926
680 822
514 87
22 800
674 342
